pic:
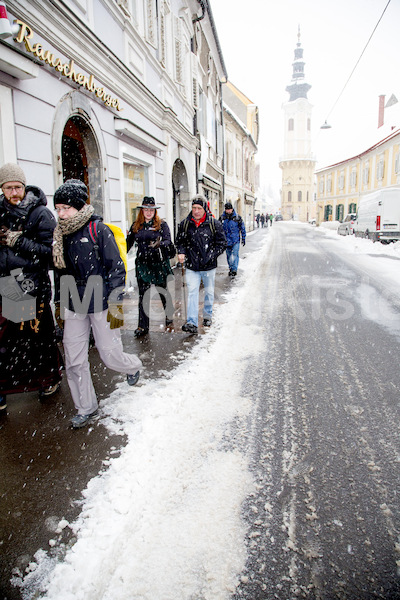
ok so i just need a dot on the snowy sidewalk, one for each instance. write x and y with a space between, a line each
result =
163 520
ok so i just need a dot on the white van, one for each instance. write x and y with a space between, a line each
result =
378 216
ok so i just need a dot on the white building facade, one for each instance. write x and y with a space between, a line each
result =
241 132
123 94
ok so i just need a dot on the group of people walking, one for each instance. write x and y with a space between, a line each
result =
265 220
89 281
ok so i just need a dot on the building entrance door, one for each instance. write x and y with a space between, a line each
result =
81 159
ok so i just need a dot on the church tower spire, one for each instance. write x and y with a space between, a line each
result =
298 87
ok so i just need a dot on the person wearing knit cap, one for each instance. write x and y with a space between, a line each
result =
234 231
200 240
86 252
29 355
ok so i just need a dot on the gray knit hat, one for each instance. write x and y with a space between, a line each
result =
11 172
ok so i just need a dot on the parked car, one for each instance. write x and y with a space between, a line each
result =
347 227
378 216
278 218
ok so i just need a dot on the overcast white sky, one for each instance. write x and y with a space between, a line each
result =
258 38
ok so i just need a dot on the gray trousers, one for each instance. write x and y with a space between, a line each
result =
76 347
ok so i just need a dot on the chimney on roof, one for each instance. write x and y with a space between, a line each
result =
381 111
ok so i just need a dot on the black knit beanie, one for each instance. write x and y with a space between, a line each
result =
199 199
73 193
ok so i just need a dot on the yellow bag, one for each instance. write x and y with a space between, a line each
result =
119 238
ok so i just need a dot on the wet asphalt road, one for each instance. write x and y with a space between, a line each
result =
45 465
324 435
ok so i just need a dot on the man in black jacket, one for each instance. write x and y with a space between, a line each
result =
200 240
29 356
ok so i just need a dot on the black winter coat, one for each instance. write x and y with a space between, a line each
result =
82 261
33 250
152 264
200 245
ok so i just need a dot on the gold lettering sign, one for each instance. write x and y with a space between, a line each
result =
68 69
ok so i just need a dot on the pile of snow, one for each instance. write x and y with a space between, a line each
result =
164 518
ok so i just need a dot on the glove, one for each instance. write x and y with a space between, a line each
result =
115 316
3 236
57 314
243 243
155 243
8 237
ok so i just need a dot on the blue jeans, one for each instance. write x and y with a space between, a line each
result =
232 254
193 280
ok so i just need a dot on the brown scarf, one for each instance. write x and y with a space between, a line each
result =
66 226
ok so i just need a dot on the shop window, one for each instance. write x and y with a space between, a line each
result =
136 187
353 208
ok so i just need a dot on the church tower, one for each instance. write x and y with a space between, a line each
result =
297 162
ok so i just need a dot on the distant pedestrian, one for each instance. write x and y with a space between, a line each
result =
266 220
76 253
235 231
199 242
29 355
153 239
271 219
262 219
258 219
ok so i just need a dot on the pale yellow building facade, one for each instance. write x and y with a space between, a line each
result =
341 186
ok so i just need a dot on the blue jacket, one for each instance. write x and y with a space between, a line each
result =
233 228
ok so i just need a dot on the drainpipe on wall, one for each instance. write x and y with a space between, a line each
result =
223 142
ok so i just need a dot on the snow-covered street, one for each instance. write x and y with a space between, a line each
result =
265 464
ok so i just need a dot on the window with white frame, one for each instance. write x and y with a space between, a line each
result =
397 163
229 157
341 181
366 174
353 178
380 168
238 159
321 185
135 188
202 113
329 184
